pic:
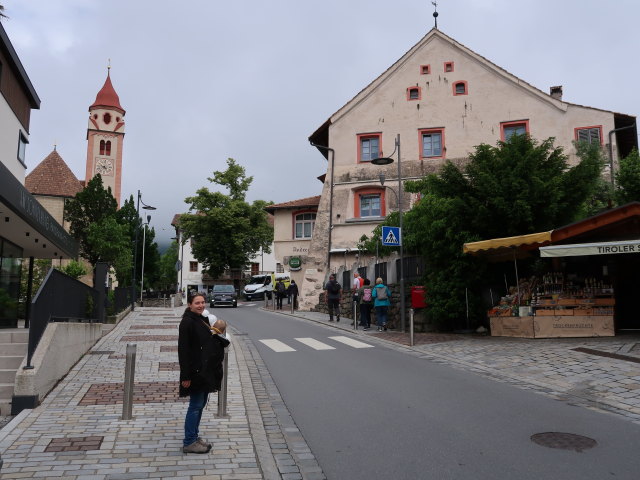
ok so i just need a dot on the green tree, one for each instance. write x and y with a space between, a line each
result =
226 230
628 179
75 269
520 186
86 211
167 278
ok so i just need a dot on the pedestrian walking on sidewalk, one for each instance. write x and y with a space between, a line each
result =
200 353
332 293
381 303
281 292
365 294
293 293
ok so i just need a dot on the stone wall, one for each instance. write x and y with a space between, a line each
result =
346 309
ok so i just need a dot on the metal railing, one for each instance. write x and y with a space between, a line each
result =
61 298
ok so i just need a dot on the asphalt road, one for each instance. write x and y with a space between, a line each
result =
378 413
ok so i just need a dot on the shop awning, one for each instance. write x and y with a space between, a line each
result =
532 239
581 249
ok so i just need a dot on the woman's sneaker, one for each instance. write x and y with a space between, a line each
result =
196 447
203 441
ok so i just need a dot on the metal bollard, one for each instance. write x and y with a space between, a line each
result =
292 304
411 327
222 394
355 315
129 371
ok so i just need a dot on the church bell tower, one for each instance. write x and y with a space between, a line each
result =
105 135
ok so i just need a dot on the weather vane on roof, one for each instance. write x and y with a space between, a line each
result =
109 65
435 13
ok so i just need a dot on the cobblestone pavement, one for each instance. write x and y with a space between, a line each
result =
599 373
77 433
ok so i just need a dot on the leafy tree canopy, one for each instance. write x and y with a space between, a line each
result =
628 179
225 229
167 278
517 187
88 209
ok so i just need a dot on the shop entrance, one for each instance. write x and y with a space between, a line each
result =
626 282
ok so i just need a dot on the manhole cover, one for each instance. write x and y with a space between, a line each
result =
564 441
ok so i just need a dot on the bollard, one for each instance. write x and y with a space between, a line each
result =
411 327
292 304
355 315
129 371
222 394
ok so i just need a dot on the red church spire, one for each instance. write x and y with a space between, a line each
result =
107 97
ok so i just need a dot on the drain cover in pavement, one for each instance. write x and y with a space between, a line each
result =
564 441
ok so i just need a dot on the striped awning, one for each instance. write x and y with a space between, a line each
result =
533 239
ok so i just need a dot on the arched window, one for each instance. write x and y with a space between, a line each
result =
304 223
107 149
101 147
107 118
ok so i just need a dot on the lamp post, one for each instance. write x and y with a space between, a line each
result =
144 243
387 161
135 250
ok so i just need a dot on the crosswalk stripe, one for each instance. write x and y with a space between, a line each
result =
277 345
351 342
315 344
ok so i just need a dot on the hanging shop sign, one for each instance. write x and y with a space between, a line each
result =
582 249
295 263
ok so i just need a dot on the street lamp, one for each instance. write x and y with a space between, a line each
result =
387 161
135 250
144 243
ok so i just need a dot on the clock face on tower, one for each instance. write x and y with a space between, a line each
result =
104 166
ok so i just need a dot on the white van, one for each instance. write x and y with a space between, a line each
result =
259 285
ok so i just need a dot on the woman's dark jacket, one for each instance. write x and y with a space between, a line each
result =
200 354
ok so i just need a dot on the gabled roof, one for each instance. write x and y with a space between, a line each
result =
53 177
107 97
309 202
320 136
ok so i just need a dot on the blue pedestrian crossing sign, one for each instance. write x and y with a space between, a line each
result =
391 236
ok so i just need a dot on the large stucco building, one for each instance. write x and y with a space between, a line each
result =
27 230
440 99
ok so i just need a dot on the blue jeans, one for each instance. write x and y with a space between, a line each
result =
381 315
197 401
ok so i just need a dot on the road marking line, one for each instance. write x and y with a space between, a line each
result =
315 344
277 345
351 342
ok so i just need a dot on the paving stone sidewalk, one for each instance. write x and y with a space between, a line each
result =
599 373
78 434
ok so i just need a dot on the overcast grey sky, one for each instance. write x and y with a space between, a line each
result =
204 80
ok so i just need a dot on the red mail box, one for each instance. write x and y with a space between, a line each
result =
417 297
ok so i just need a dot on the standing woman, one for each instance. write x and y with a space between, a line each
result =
200 357
381 303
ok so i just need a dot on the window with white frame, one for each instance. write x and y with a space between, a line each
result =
304 223
22 148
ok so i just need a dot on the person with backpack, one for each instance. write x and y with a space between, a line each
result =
381 302
292 291
332 294
281 292
365 294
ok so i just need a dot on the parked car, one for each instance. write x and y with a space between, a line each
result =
224 295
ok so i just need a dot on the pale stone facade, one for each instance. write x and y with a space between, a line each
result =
442 99
293 229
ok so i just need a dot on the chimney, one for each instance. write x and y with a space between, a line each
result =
556 92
